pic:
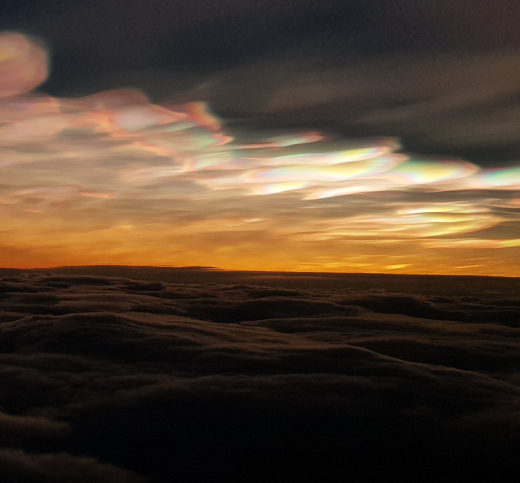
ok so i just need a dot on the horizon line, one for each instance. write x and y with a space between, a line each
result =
219 269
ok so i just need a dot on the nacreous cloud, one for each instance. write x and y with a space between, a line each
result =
114 177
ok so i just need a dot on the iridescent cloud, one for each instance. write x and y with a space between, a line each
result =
113 178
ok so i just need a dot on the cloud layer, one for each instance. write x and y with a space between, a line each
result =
125 380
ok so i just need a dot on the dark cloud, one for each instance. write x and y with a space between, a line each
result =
452 103
22 467
190 277
30 430
448 103
109 378
442 76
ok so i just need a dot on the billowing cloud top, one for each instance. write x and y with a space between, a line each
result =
112 177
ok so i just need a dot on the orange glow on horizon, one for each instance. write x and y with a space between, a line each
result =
127 244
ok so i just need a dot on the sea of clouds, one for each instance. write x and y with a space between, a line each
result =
113 379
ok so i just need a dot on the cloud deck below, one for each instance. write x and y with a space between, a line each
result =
114 379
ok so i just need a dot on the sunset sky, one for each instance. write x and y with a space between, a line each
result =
259 241
380 143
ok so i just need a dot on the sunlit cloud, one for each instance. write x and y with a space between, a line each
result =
112 177
410 222
473 243
507 178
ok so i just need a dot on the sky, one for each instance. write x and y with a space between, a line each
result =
301 136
